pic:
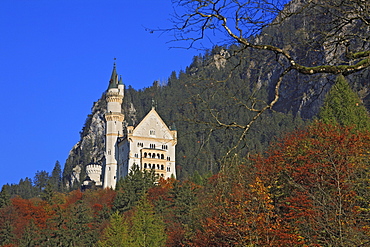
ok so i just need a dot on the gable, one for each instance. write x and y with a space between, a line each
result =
152 126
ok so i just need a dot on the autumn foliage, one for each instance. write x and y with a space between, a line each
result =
316 176
311 189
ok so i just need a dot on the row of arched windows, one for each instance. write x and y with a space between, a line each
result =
153 166
154 156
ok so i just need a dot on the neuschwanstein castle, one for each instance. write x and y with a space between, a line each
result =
150 145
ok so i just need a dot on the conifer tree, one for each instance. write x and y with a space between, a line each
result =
342 106
6 234
56 177
4 196
132 188
116 234
147 227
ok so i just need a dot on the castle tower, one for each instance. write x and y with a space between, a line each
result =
94 171
114 128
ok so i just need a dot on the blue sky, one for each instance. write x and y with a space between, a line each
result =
56 57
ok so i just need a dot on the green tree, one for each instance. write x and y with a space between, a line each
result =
147 227
41 180
4 196
6 234
116 234
343 106
31 235
132 188
56 177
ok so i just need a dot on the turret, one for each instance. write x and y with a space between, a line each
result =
114 128
94 171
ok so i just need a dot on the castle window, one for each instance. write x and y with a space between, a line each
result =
152 132
162 167
145 154
158 166
152 146
168 158
145 165
162 156
158 156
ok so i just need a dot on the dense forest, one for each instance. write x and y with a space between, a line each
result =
270 152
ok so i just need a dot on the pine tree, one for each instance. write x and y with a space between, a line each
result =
116 234
4 196
56 177
6 234
342 106
147 227
132 188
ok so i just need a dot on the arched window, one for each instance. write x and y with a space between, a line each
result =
158 157
162 156
162 167
145 154
145 165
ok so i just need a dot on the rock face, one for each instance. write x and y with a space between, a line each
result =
90 148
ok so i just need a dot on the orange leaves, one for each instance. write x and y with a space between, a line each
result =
28 210
314 175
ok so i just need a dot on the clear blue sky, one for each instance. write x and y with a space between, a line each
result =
56 58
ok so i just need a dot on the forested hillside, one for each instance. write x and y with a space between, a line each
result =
273 141
213 101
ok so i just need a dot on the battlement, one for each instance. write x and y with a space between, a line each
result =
93 169
114 97
114 116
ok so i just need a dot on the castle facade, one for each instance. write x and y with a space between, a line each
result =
150 145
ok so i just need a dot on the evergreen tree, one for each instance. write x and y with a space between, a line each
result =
78 226
147 227
47 193
4 196
342 106
132 188
31 235
116 234
41 180
6 234
56 177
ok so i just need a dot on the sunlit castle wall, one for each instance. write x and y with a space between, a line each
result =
94 171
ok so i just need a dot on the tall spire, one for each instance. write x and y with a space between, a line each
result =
113 82
120 81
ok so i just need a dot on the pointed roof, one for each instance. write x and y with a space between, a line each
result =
120 81
153 121
113 82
